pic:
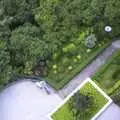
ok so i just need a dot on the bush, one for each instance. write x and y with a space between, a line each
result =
70 68
80 38
78 57
79 103
116 96
116 74
69 48
55 56
90 41
55 66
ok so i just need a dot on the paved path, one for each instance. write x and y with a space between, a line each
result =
89 70
25 101
111 113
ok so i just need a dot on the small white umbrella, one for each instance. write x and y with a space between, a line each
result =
108 28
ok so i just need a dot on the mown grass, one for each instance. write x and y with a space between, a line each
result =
98 101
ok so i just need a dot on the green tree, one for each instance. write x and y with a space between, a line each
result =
17 12
58 20
112 15
79 103
26 46
5 68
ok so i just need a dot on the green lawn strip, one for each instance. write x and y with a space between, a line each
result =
68 67
104 76
98 101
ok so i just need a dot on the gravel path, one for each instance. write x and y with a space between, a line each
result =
89 70
25 101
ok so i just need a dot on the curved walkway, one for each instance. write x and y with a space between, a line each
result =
24 101
90 69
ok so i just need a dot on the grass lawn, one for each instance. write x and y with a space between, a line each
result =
108 76
98 101
70 60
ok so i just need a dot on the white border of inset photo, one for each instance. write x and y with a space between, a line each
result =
78 88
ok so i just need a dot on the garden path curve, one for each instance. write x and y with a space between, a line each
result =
24 101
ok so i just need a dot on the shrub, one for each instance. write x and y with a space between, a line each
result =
70 68
90 41
61 69
116 96
49 64
79 103
65 60
78 57
75 60
116 74
80 38
55 71
69 48
88 50
54 66
55 56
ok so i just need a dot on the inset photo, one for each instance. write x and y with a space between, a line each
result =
86 102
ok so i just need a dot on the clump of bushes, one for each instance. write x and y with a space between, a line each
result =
90 41
116 74
69 48
79 103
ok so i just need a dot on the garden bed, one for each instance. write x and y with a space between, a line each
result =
72 59
83 104
108 76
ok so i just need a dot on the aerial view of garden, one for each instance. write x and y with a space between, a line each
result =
56 45
84 104
52 39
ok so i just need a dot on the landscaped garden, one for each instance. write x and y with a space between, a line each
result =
83 105
108 76
73 57
53 39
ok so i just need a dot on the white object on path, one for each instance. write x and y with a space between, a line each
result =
38 85
44 86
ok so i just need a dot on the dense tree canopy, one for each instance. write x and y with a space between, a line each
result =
112 11
26 46
32 30
79 103
5 67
